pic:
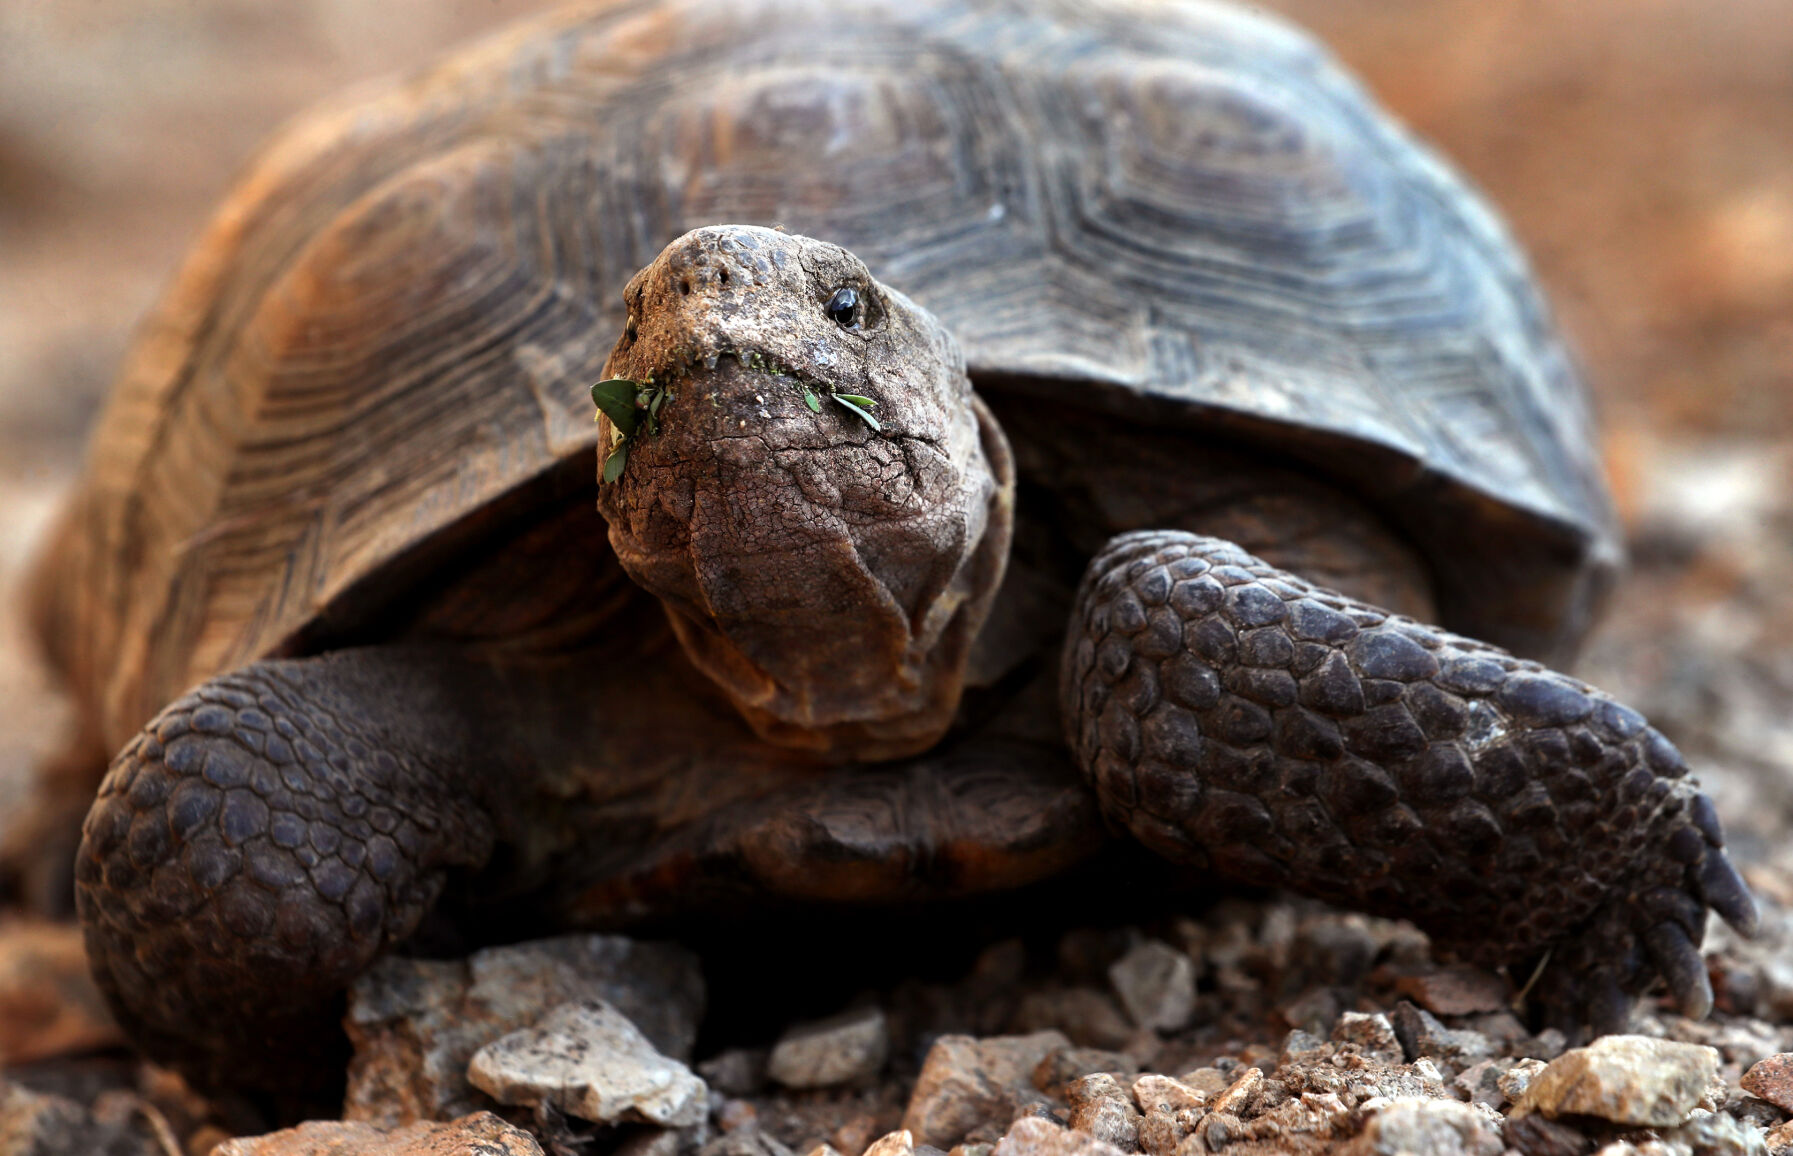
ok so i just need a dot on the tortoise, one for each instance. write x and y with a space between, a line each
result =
1261 388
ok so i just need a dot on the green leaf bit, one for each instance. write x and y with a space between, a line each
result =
622 401
859 405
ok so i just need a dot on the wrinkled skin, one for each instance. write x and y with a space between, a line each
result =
828 576
271 834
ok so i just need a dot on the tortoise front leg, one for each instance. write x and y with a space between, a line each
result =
1231 713
266 837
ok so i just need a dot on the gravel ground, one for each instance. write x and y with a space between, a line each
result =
1638 146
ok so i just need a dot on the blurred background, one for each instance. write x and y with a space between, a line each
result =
1641 149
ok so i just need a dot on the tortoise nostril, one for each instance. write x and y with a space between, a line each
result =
684 288
722 275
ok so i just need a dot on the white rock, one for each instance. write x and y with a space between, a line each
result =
898 1143
1634 1080
838 1050
1418 1127
1156 984
589 1061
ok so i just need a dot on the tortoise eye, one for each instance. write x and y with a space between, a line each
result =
843 307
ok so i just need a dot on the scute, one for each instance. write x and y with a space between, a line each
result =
1176 213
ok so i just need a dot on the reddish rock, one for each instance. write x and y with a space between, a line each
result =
480 1132
1772 1080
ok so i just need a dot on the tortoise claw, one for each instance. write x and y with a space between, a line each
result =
1725 892
1679 962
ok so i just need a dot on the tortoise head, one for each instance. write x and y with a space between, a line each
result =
811 488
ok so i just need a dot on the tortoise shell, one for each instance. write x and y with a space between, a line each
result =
1180 214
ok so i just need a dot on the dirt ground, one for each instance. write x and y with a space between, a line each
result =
1639 148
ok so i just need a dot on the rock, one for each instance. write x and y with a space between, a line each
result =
1156 1093
1421 1034
1538 1136
1772 1080
589 1061
1091 1018
1625 1079
416 1023
736 1072
1715 1135
855 1136
40 1124
1515 1080
745 1142
843 1049
1416 1127
1314 1011
1035 1137
49 1005
1299 1046
831 1150
1156 985
1780 1138
1105 1110
653 1142
1456 991
1066 1064
1241 1095
1171 1111
1373 1036
898 1143
966 1082
1481 1083
480 1132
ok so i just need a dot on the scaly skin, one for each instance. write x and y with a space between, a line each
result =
260 844
1229 713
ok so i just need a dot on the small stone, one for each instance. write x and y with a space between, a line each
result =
843 1049
1780 1138
1314 1011
1240 1095
898 1143
652 1142
1066 1064
1373 1035
415 1023
1422 1036
1035 1137
1625 1079
736 1072
1715 1134
1538 1136
1156 985
40 1124
1156 1093
1456 991
1772 1080
1418 1127
479 1132
589 1061
732 1115
1299 1047
1515 1080
745 1142
830 1150
1209 1082
1105 1110
1481 1083
1092 1019
856 1134
49 1004
966 1082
